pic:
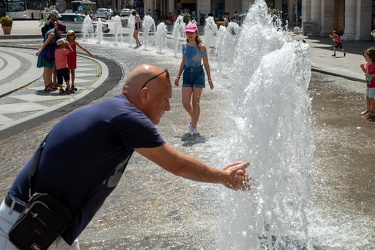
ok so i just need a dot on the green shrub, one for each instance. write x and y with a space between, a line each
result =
6 21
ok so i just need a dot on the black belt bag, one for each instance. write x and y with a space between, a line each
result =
40 223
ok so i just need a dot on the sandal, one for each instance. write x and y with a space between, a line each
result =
74 88
365 112
50 88
370 114
62 91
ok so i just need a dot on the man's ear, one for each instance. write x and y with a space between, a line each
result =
143 94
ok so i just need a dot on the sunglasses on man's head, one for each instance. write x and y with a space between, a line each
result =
154 77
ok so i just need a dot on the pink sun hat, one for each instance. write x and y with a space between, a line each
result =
191 27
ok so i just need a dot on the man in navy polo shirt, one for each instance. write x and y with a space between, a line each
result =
100 140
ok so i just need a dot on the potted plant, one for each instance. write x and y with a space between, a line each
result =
186 18
6 24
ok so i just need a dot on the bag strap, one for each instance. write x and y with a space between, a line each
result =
34 167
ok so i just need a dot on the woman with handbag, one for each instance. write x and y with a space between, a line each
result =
46 58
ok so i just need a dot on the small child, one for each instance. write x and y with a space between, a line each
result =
369 70
338 44
72 57
61 62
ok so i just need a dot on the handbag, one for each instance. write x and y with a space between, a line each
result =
43 218
40 223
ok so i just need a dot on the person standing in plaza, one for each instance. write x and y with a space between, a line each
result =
369 69
338 43
48 62
193 53
72 57
98 142
54 15
137 28
61 61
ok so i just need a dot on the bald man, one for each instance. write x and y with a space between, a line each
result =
98 142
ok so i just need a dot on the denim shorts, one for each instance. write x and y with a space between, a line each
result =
193 77
370 92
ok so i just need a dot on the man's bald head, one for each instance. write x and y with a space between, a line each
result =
148 87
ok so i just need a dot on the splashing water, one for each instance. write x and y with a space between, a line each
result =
161 38
270 74
148 25
118 29
178 31
210 30
98 35
227 44
88 29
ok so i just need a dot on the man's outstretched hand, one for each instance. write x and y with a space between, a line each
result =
237 178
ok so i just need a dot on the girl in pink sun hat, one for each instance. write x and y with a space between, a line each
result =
194 53
72 57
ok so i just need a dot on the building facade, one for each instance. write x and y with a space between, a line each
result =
352 19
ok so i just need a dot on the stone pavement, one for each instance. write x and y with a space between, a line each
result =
22 97
23 100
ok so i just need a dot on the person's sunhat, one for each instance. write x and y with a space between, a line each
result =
55 13
191 27
59 42
70 32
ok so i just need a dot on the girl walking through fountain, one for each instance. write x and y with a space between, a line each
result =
193 53
72 57
137 28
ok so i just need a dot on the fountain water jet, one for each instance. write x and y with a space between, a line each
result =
88 29
227 43
118 29
148 25
272 129
98 35
178 31
210 30
161 38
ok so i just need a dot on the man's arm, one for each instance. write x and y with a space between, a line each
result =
232 176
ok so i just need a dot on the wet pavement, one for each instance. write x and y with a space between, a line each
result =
153 210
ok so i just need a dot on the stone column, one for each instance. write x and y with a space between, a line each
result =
306 11
364 20
350 19
327 17
291 9
279 5
316 13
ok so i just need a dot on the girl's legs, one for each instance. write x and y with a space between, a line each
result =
372 106
186 97
368 108
190 100
72 77
47 76
135 35
54 77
